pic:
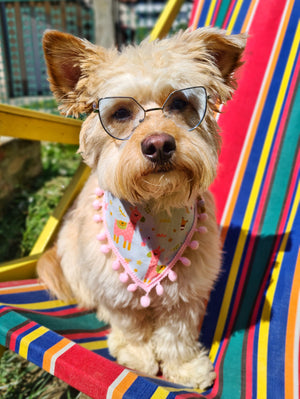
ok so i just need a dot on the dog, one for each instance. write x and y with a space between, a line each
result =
140 245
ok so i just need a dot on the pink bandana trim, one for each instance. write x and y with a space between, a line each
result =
146 244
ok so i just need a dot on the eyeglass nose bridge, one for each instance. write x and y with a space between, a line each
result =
149 110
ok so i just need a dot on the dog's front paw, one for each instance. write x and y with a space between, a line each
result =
134 356
197 373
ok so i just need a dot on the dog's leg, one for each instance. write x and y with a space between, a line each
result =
129 342
183 359
50 272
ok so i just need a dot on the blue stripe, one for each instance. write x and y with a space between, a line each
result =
140 388
241 17
37 348
26 297
20 336
204 13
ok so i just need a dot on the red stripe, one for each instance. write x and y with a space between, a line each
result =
216 12
194 12
4 309
241 108
74 336
64 312
16 283
16 333
86 371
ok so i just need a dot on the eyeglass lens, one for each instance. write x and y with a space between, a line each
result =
121 115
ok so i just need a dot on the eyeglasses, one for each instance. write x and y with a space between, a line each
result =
120 116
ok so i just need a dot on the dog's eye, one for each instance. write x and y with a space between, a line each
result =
122 115
178 104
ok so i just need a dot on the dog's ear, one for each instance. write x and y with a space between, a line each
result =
68 61
216 47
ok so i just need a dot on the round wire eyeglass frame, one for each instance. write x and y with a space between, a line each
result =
145 111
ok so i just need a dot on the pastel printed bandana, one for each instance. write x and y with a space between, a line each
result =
147 244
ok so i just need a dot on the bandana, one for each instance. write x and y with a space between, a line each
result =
146 244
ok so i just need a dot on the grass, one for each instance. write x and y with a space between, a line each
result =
20 226
31 205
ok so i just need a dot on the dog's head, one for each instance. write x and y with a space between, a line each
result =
151 132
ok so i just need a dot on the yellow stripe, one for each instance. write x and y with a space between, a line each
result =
26 341
160 393
252 202
93 345
210 12
234 16
262 356
41 305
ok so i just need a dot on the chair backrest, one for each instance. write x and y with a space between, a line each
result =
255 336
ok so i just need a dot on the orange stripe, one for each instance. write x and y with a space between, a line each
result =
124 385
248 16
254 124
290 333
13 290
51 351
197 14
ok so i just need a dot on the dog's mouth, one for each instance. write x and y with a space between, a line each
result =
159 168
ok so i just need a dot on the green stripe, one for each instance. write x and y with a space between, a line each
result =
7 322
262 251
222 13
86 322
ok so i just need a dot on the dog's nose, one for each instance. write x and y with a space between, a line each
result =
159 147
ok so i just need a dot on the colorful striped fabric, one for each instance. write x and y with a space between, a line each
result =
253 318
254 339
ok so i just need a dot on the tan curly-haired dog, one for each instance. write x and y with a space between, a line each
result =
141 245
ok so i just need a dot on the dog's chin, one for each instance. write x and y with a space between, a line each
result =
163 186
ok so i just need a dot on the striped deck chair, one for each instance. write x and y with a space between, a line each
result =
253 318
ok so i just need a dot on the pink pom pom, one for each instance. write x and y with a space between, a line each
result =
185 261
201 202
172 275
132 287
159 289
145 301
104 249
116 265
202 229
97 205
194 244
101 236
99 192
97 218
123 277
203 217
